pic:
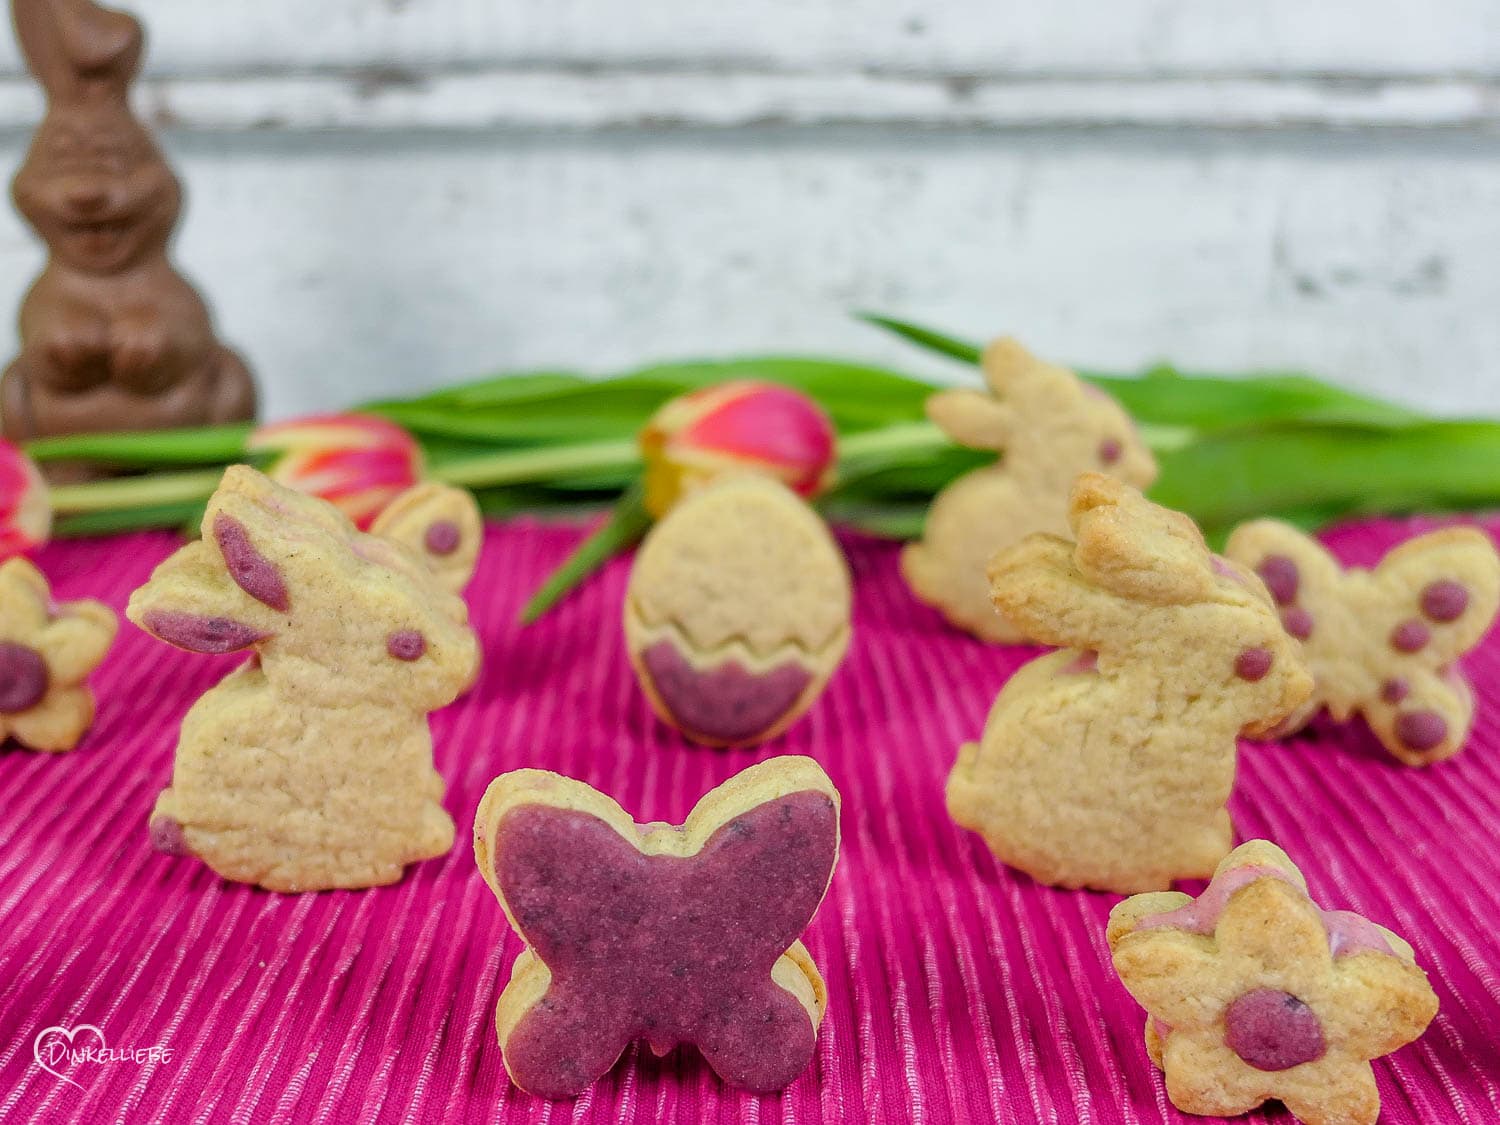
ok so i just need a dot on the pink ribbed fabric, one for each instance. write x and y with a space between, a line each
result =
959 991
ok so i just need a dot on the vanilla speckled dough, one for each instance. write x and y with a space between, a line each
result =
671 935
442 524
1383 643
737 611
1255 993
1049 426
310 766
1108 764
47 650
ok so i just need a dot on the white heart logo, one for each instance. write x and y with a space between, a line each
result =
55 1045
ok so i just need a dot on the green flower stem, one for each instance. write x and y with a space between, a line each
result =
627 524
519 466
204 445
134 492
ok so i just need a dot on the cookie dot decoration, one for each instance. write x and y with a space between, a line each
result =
1421 731
1410 636
406 644
737 611
1444 600
1253 992
1388 640
1253 664
659 933
1297 622
442 537
1394 690
1280 575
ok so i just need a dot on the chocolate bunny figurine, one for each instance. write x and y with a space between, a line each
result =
112 337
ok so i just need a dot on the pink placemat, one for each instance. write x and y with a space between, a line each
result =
960 991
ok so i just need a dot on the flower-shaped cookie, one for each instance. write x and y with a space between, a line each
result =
46 651
1253 992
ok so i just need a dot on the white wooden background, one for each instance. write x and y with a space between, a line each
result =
393 194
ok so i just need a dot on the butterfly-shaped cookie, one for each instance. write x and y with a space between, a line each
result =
1383 642
668 934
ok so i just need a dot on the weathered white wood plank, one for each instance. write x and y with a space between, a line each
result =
1087 37
561 100
351 267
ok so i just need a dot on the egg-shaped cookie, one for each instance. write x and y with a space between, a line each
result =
737 611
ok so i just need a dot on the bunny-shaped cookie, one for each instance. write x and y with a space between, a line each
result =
1050 426
310 766
1108 764
1383 643
112 337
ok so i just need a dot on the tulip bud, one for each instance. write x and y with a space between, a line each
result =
357 462
25 513
738 426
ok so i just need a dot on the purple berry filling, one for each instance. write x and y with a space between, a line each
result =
1444 600
664 948
23 677
728 703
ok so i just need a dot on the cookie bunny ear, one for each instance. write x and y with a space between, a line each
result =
441 524
225 592
75 47
192 601
1135 548
971 418
1036 586
1450 581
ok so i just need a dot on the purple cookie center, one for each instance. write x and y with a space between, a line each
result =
23 677
1273 1030
1394 691
727 703
442 537
257 575
1444 600
663 948
1109 451
1280 575
406 644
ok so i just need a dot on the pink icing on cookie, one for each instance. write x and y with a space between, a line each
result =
669 949
1348 933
